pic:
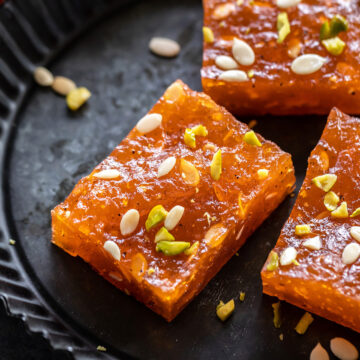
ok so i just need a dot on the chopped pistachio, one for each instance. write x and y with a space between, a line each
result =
295 262
341 212
150 271
302 229
331 200
219 305
215 167
263 174
225 310
242 296
355 213
325 182
208 35
273 261
12 242
277 317
156 215
189 136
171 248
192 249
336 25
251 138
77 97
335 46
163 235
283 26
250 74
304 323
101 348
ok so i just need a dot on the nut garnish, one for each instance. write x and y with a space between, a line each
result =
107 174
284 4
189 172
302 229
172 248
156 215
216 166
192 249
189 136
173 217
343 349
335 46
149 123
223 311
283 26
208 35
242 296
313 243
233 76
43 76
337 24
273 263
331 201
341 212
251 138
325 182
63 85
288 256
355 213
355 232
164 47
112 248
351 253
277 317
164 235
319 353
223 10
304 323
77 97
166 166
243 53
129 222
226 62
263 174
307 64
101 348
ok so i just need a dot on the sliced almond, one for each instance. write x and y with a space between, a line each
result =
223 10
233 76
62 85
166 166
107 174
129 222
43 76
164 47
307 64
215 235
112 248
355 232
288 256
343 349
313 243
284 4
226 62
173 217
319 353
351 253
149 123
242 52
138 266
189 173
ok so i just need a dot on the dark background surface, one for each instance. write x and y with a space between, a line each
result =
52 148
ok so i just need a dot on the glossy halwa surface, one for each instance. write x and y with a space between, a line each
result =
218 215
274 88
322 283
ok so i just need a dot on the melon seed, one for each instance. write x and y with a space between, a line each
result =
63 85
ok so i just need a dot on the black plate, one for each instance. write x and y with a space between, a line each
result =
46 150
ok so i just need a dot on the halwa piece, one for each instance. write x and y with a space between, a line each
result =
282 56
152 219
326 280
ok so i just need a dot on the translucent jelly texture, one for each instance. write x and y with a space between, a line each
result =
274 88
322 283
220 215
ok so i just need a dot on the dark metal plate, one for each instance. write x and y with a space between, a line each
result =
46 149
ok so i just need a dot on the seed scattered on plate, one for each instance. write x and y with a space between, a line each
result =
12 242
351 253
319 353
355 232
343 349
233 76
164 47
101 348
149 123
112 248
166 166
43 76
243 53
62 85
107 174
307 64
288 256
173 217
226 62
129 222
